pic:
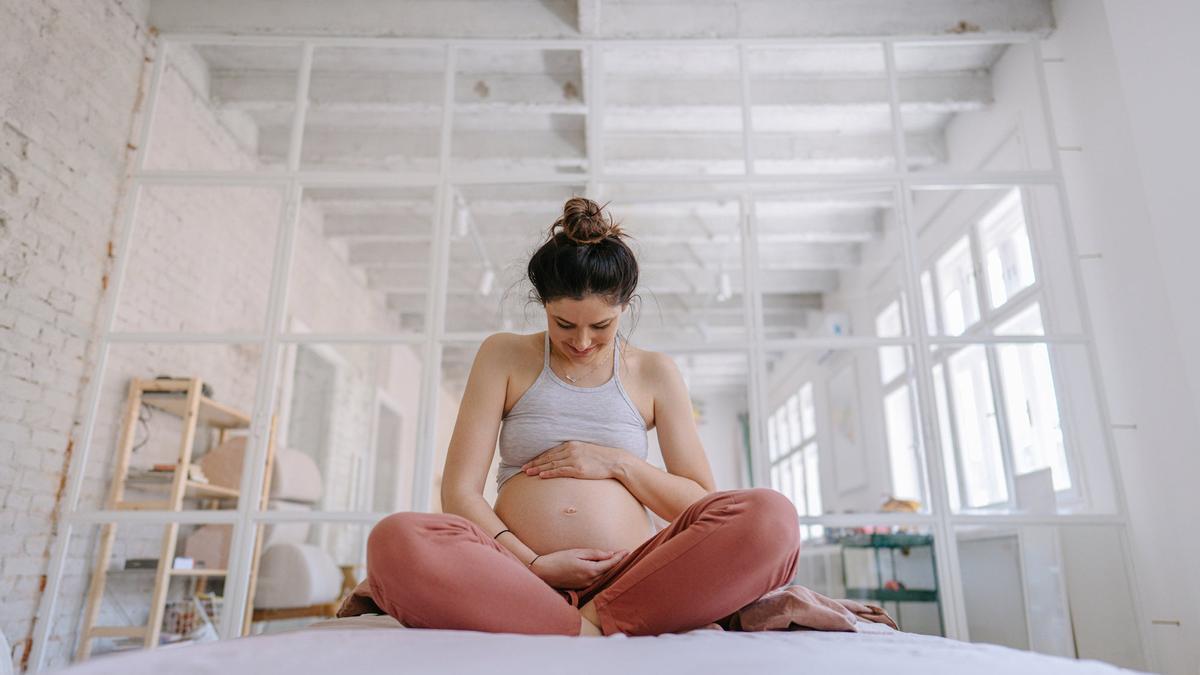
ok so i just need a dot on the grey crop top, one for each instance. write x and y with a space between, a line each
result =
552 411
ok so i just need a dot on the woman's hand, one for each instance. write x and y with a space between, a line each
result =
575 459
575 567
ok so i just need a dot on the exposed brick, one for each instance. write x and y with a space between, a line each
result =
64 141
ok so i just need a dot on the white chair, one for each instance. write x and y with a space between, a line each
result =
295 578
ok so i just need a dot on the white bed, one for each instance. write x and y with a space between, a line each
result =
376 644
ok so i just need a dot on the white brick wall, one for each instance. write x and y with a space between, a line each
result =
68 91
200 262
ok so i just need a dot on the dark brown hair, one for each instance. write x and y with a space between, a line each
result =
584 254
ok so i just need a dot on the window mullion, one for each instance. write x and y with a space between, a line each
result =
1000 417
982 293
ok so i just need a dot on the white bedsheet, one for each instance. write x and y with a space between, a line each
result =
352 648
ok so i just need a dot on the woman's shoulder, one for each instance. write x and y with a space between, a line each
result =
511 348
645 364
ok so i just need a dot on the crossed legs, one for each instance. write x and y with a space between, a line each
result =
723 552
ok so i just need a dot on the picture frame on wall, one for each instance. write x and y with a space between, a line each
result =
849 451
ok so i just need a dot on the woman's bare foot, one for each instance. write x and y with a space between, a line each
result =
590 620
587 627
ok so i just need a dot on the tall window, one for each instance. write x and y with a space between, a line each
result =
793 452
997 403
905 455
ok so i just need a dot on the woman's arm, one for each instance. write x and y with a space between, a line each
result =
688 476
473 442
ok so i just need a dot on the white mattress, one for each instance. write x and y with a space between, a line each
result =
378 644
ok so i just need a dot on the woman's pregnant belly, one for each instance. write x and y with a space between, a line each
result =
552 514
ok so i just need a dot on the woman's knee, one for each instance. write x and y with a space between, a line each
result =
398 534
771 518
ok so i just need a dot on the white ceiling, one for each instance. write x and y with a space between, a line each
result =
667 110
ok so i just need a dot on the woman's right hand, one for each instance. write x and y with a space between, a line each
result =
575 567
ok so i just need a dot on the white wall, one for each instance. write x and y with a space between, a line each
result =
200 261
1156 51
1123 93
69 95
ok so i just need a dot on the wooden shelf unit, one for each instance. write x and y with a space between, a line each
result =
182 398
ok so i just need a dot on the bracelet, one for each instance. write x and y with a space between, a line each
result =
530 563
500 533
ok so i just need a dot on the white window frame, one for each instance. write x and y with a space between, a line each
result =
905 378
798 450
989 320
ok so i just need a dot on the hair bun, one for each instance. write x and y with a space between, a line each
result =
584 222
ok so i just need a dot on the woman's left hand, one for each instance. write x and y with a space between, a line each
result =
574 459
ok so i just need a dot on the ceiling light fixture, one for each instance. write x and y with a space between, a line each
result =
725 285
462 217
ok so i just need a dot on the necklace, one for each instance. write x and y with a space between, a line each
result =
577 378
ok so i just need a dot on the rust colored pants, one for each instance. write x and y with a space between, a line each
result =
726 550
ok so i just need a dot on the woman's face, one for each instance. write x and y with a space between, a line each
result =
582 329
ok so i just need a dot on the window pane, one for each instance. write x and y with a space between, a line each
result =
930 307
493 231
519 111
796 461
902 446
225 108
195 573
808 413
1023 587
872 556
772 443
891 359
844 419
975 417
781 432
828 260
956 280
672 110
1059 452
971 106
1004 239
1026 322
985 246
946 436
812 479
785 480
201 259
362 259
820 109
793 418
374 109
1032 411
689 249
229 373
351 409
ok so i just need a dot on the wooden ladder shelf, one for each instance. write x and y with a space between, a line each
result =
182 398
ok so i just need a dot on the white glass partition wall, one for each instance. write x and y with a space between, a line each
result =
865 239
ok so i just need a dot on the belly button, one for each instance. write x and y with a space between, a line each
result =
569 510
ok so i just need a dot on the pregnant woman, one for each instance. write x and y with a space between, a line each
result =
569 548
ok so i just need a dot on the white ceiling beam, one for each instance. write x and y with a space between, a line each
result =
519 19
839 230
629 97
587 15
395 99
822 19
414 281
629 19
